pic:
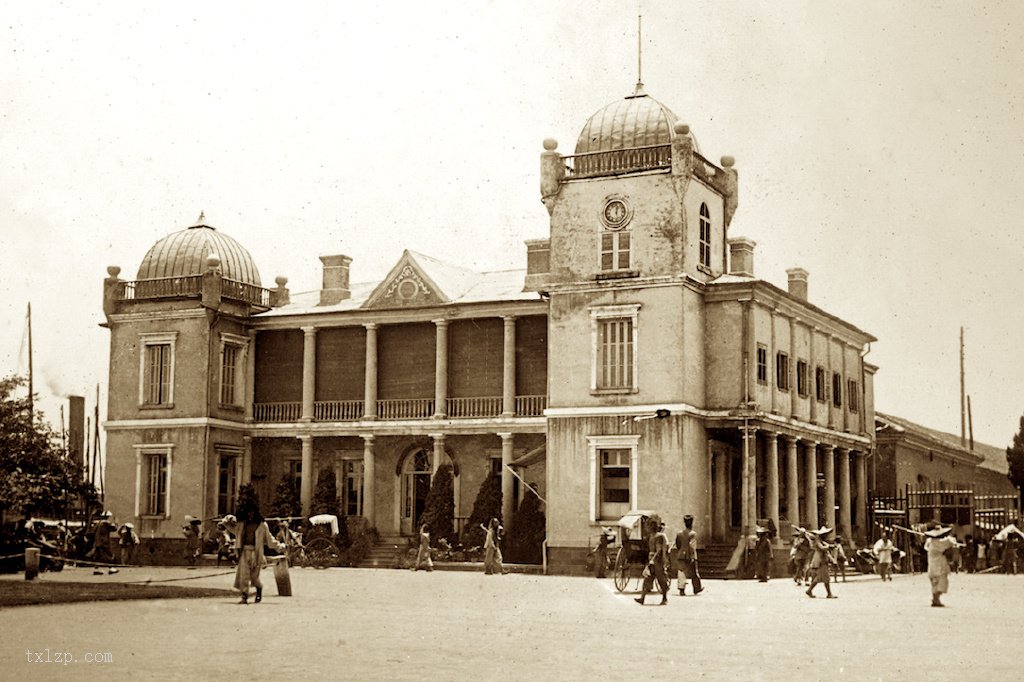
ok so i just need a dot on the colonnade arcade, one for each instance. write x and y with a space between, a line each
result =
787 477
437 448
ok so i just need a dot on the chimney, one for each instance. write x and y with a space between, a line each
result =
335 287
797 283
76 427
741 256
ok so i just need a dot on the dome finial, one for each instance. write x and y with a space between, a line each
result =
638 91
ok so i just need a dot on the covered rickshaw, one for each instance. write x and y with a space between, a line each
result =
634 533
320 541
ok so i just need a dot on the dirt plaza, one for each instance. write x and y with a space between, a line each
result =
391 624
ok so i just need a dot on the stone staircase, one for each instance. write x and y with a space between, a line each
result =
713 559
382 555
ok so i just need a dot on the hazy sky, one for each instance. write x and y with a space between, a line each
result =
879 146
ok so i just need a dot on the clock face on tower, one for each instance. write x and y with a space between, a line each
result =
616 213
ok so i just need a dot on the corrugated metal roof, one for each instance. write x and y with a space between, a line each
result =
185 252
636 121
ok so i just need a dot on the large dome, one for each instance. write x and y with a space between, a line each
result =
185 252
635 121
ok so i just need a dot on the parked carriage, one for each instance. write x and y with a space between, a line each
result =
320 541
634 533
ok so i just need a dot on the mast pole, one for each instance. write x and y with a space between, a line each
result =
31 396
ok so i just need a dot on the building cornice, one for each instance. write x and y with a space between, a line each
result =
383 316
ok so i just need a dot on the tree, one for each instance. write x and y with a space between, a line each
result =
486 507
325 501
529 528
1015 457
286 499
36 473
439 509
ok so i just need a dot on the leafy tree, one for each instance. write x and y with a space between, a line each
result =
1015 457
486 507
325 501
286 499
36 474
439 509
525 543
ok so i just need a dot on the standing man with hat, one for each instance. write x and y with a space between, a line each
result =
657 561
939 546
686 557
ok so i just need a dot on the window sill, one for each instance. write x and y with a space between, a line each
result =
612 391
704 268
616 274
231 408
164 406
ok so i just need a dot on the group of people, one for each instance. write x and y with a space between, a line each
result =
493 563
660 560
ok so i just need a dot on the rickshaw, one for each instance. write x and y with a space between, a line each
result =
320 547
633 536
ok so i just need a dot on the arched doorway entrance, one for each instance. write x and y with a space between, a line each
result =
415 474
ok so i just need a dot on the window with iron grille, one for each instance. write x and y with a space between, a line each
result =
615 353
782 371
157 385
614 250
801 378
705 236
229 373
762 364
156 485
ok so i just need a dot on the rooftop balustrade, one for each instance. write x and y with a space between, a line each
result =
191 286
618 162
401 409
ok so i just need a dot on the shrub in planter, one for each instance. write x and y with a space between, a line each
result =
360 546
486 507
286 499
439 509
525 542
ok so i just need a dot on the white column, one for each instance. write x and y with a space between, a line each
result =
845 521
370 375
306 490
438 451
508 382
506 480
441 371
308 374
749 514
862 496
250 376
829 470
369 481
245 475
811 485
771 497
792 484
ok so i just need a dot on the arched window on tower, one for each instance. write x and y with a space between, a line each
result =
705 236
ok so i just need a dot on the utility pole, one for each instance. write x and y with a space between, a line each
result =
963 409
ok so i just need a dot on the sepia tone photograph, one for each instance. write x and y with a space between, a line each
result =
500 341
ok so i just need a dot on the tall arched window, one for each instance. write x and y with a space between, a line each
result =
705 236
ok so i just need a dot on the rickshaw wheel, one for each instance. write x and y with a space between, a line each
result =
322 553
621 570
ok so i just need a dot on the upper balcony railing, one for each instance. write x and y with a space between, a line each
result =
410 408
190 286
619 161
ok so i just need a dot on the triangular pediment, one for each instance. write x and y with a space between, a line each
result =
407 285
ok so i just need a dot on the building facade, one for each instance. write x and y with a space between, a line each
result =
636 363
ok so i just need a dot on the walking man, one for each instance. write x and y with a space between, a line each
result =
820 561
657 562
939 545
883 549
686 557
423 555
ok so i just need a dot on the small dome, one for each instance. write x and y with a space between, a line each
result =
186 252
635 121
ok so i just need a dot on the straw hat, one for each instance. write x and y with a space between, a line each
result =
938 532
824 530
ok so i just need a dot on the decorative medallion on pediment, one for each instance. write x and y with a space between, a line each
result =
408 288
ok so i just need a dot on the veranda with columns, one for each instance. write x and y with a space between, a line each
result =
469 431
788 477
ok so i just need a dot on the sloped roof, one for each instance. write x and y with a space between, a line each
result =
994 457
455 284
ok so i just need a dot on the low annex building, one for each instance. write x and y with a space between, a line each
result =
637 362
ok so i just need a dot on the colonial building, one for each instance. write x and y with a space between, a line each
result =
637 362
928 474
